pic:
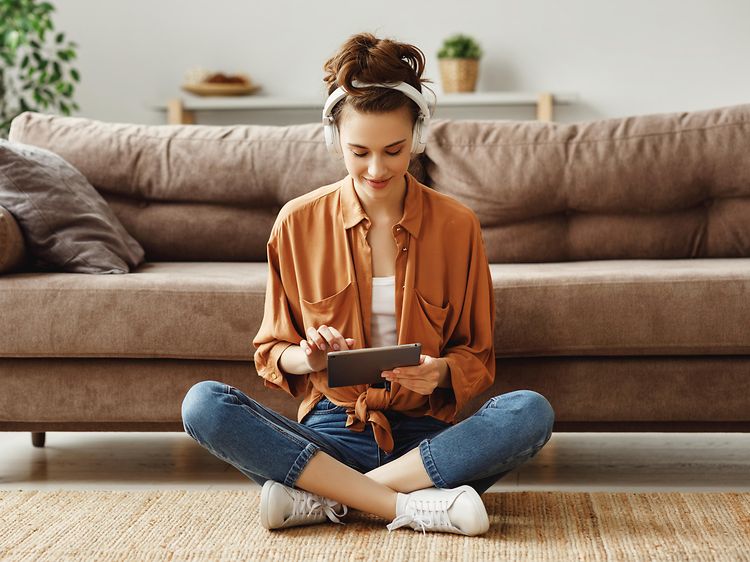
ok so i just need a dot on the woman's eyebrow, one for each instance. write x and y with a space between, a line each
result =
387 146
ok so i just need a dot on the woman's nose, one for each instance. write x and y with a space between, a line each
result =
376 167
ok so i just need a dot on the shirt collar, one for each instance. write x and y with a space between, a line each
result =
353 212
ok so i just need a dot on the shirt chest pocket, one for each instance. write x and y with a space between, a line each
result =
337 310
430 319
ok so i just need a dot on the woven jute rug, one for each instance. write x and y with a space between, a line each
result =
224 525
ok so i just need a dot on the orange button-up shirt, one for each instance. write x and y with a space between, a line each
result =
320 272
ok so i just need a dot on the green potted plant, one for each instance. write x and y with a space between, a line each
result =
36 73
459 63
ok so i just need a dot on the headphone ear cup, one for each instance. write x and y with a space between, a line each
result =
417 146
336 141
332 139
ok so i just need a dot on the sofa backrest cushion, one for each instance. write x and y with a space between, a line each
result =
661 186
192 192
67 225
671 185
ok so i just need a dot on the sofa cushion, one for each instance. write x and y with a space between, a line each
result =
623 307
192 192
668 185
68 226
212 310
192 310
12 254
240 165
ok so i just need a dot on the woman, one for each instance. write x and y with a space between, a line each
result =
375 259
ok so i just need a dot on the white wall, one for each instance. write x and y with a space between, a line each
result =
623 57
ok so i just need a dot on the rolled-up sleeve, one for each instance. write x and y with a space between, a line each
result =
470 351
278 329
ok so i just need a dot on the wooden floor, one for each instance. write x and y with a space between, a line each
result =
570 461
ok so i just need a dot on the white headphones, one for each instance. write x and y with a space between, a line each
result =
421 127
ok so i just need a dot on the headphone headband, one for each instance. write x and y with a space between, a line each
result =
421 127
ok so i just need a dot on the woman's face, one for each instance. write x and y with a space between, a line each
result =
376 147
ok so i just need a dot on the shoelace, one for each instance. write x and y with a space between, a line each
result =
425 514
305 504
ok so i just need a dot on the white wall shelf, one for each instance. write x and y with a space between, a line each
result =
181 110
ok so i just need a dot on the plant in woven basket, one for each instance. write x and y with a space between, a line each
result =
459 63
35 67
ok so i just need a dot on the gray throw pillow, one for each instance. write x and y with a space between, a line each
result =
67 224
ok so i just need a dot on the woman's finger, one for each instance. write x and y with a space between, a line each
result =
338 340
404 372
305 346
315 338
327 333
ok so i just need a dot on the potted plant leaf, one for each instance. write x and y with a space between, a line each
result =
36 73
459 63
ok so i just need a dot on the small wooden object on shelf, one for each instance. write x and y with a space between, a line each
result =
544 107
220 84
220 89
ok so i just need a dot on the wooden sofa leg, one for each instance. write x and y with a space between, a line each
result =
37 438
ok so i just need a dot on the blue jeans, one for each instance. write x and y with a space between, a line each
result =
504 433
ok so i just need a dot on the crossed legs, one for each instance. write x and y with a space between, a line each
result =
506 431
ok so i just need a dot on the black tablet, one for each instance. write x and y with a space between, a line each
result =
364 366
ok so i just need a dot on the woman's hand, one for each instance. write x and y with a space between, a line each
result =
319 342
423 378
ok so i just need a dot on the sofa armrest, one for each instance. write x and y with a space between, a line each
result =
12 246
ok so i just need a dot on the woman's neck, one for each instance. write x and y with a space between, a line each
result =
386 210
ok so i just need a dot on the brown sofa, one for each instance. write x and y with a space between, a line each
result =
618 249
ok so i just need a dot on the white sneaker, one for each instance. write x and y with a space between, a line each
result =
456 510
282 506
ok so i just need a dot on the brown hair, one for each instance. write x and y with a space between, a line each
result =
366 58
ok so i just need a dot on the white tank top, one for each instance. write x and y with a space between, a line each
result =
384 311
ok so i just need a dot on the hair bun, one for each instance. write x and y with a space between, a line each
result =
368 59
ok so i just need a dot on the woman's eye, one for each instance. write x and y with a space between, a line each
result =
388 153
